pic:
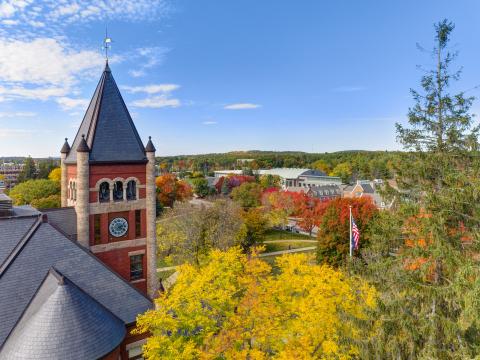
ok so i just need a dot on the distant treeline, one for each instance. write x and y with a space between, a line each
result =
355 164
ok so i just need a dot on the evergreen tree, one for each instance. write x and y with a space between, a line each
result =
422 256
29 171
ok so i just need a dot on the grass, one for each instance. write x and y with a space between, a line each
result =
284 235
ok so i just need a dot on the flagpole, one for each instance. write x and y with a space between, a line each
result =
351 247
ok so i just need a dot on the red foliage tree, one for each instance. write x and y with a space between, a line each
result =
334 227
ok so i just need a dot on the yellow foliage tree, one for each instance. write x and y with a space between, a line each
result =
55 174
233 307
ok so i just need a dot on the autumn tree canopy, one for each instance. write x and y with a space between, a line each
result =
233 307
171 189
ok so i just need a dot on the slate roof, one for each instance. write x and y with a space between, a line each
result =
367 188
63 322
107 125
33 256
64 220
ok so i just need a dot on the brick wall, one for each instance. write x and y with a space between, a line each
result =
119 261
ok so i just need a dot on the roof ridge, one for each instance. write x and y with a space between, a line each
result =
20 245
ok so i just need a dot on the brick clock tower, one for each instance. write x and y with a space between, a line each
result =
108 176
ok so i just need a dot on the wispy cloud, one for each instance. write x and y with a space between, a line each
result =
151 89
148 57
67 103
241 106
209 122
160 101
349 88
6 132
159 95
42 68
17 114
59 14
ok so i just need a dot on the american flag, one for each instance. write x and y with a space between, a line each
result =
355 235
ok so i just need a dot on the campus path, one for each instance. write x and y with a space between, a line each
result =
273 253
290 240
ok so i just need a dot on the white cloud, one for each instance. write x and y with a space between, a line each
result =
209 122
151 89
159 101
17 114
10 22
69 11
6 132
42 68
136 73
241 106
68 103
149 57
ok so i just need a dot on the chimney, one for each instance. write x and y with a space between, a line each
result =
6 207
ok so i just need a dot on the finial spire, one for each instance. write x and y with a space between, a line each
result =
107 41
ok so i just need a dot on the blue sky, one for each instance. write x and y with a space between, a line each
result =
216 75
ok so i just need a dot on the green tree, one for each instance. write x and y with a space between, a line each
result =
29 171
45 167
254 227
343 171
33 190
49 202
200 187
269 181
430 287
248 194
322 165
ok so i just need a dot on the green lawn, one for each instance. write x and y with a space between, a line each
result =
285 235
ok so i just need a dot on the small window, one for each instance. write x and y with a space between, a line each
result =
138 223
97 229
131 190
104 192
118 191
74 191
136 267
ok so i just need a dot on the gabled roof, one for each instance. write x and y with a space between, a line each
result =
45 248
109 131
63 322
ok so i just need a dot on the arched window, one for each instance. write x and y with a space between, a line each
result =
104 192
118 191
74 191
131 190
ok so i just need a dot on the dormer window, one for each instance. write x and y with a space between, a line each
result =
131 190
118 191
104 192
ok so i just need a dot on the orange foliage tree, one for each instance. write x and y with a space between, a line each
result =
171 189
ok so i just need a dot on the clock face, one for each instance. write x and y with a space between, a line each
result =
118 227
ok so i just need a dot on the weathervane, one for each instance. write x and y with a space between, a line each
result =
106 43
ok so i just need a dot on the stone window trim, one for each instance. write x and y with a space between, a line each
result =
72 190
137 252
124 182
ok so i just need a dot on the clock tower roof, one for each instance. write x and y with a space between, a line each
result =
109 131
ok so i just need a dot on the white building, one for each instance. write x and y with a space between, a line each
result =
291 177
